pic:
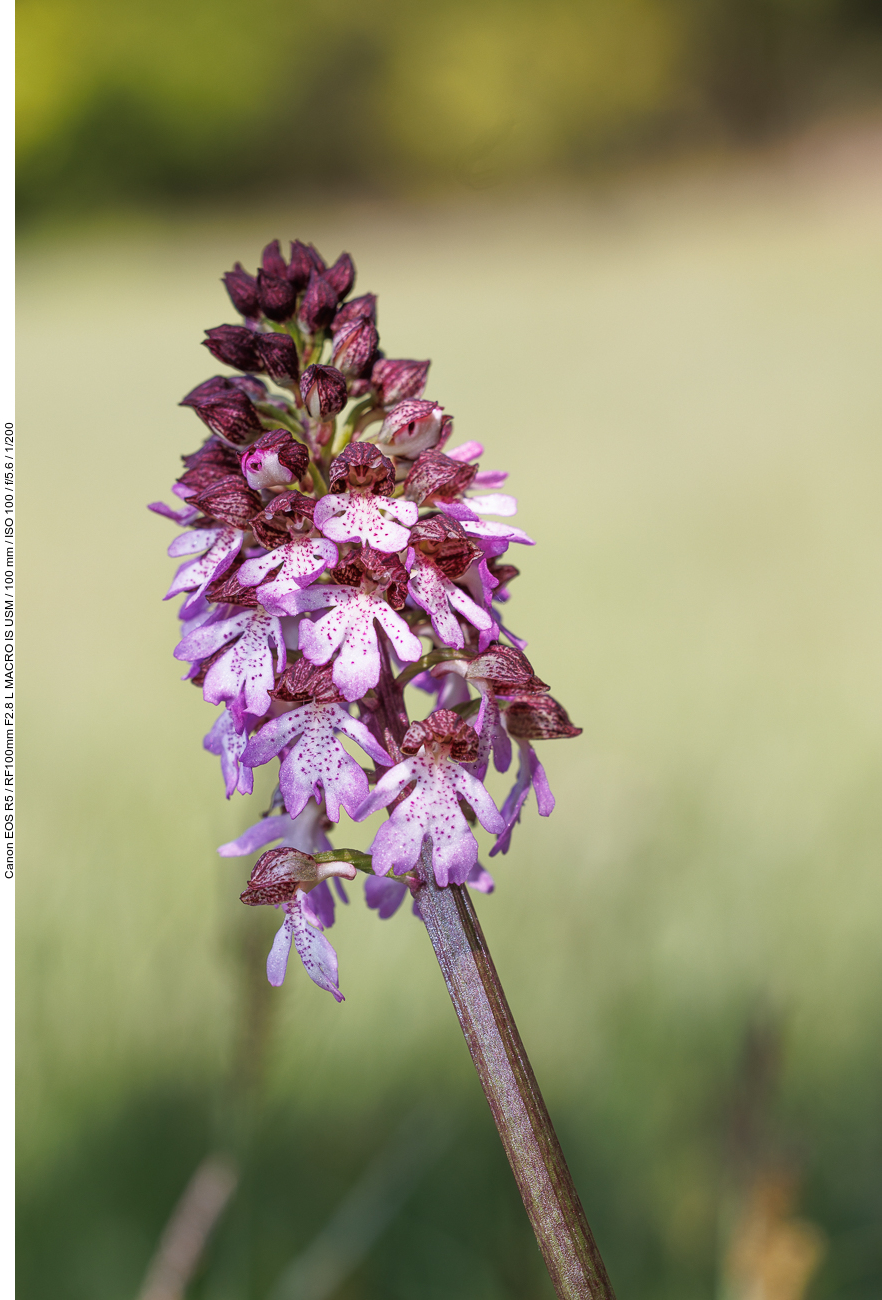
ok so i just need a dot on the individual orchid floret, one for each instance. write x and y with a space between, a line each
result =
435 478
363 308
323 390
275 460
298 552
305 832
285 877
350 628
227 410
432 809
229 745
243 677
319 305
501 670
413 426
354 347
396 381
438 548
315 764
362 480
532 717
242 289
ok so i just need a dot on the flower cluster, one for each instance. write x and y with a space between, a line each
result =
337 548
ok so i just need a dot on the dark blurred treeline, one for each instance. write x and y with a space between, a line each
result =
125 102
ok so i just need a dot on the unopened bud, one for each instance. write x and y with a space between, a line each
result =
318 306
272 261
242 289
234 345
301 265
363 308
354 347
277 354
323 390
230 500
275 460
341 276
226 410
277 296
395 381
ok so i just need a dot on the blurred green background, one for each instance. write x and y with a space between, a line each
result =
681 369
130 102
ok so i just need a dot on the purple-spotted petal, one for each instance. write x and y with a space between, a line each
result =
363 518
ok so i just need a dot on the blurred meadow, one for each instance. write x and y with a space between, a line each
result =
672 342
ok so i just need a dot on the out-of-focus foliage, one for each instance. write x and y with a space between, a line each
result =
126 101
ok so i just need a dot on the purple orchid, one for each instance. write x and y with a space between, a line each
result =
324 524
243 676
433 807
362 480
313 756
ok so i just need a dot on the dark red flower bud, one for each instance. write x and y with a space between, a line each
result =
242 289
213 460
341 276
277 355
354 347
388 571
228 590
234 345
273 262
539 717
230 500
256 389
395 381
506 669
323 390
443 727
274 460
318 306
277 296
363 308
444 540
303 681
315 257
361 465
301 265
227 412
438 477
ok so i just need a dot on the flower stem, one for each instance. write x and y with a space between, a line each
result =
544 1181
